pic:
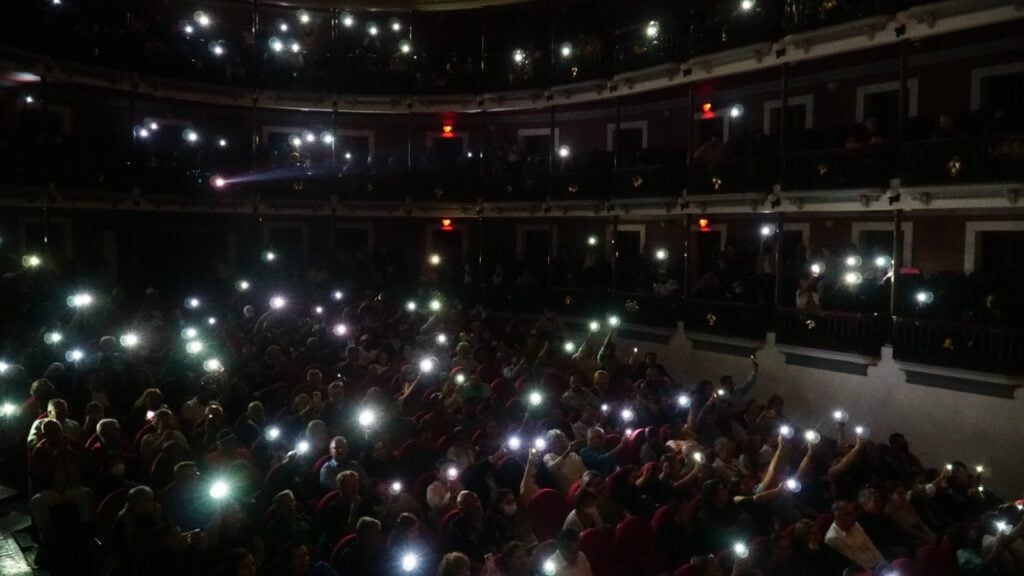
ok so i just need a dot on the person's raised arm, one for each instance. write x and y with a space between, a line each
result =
528 485
841 467
769 480
752 379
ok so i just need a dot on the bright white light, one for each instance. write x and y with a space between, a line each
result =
74 355
441 339
747 5
452 473
3 367
188 29
409 562
327 138
190 135
535 398
347 20
767 230
396 487
460 378
924 297
202 18
318 310
189 333
277 302
853 261
295 47
142 132
862 431
372 29
1002 527
518 56
979 469
309 137
514 443
605 408
242 285
340 329
303 17
273 433
817 268
211 321
31 261
549 567
853 278
661 254
740 550
565 50
222 142
219 490
295 141
613 321
569 348
337 295
217 48
367 418
652 29
435 305
79 300
153 126
427 365
410 306
219 182
882 261
53 337
564 151
269 256
396 25
194 347
540 444
435 259
192 303
592 241
698 457
405 47
8 409
684 401
840 416
812 436
786 431
627 415
793 485
29 99
302 447
129 340
348 155
213 365
594 325
736 111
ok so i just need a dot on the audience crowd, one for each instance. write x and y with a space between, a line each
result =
377 435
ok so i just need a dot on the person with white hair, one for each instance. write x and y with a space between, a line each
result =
562 459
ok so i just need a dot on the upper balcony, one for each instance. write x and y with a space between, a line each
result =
495 56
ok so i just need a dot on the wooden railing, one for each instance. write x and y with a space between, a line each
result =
970 346
839 331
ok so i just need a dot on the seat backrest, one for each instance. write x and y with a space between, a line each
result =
340 548
684 570
548 510
448 518
108 510
598 544
661 516
320 464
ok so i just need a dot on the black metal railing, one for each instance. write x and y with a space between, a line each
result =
991 158
729 319
839 331
870 166
599 305
969 346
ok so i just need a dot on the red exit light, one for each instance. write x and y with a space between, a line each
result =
704 224
446 225
447 131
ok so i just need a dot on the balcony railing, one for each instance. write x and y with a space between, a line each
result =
980 347
640 309
839 331
728 319
868 166
952 161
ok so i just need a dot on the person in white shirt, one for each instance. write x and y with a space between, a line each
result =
562 460
56 409
568 560
848 538
584 514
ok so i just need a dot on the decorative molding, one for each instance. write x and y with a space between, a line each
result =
979 74
881 87
972 239
631 125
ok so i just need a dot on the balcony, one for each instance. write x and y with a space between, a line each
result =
973 160
862 334
734 320
967 346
